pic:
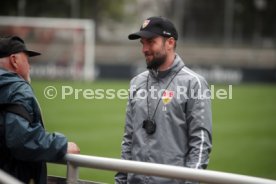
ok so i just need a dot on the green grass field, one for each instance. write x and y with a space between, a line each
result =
244 128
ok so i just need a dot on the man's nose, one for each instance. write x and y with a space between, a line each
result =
145 48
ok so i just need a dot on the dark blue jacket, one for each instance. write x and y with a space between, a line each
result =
26 146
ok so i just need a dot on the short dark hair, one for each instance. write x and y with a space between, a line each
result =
166 38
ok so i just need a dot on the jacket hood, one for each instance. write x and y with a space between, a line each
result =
8 78
176 66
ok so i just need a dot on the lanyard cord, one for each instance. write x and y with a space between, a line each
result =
162 94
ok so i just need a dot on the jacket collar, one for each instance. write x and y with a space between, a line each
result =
176 66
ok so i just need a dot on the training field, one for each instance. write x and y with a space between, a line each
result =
244 127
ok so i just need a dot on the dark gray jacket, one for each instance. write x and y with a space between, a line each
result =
25 146
183 119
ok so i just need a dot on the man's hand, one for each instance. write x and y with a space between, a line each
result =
73 148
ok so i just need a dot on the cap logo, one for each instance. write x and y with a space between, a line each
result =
146 22
167 33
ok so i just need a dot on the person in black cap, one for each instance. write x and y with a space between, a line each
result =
25 146
14 56
172 123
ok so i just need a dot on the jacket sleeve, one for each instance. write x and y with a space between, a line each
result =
29 141
121 178
199 120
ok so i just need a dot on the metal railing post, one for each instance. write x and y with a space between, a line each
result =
161 170
72 173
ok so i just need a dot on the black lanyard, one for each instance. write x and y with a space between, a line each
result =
160 97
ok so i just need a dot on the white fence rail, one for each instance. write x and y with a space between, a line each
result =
182 173
5 178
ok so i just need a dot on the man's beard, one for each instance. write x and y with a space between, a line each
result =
157 61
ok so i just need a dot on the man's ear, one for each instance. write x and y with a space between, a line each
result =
13 62
171 42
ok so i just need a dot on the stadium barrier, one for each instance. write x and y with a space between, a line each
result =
75 161
175 172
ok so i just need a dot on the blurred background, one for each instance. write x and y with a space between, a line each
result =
84 45
233 37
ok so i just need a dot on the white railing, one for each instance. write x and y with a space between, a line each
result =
182 173
7 179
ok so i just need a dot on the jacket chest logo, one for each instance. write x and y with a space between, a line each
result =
167 96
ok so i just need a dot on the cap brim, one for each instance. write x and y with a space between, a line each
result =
142 34
32 53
